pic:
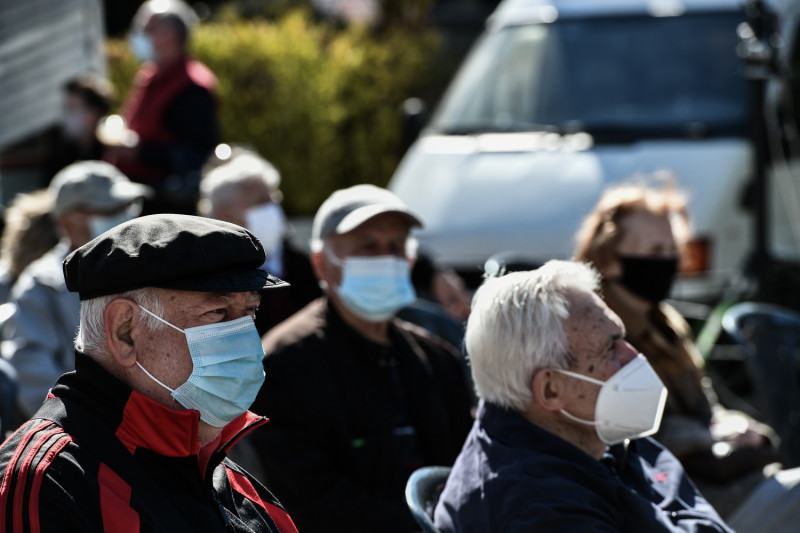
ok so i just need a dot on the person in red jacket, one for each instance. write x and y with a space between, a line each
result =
167 362
171 108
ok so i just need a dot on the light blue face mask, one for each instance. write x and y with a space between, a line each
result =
227 374
99 224
141 46
375 288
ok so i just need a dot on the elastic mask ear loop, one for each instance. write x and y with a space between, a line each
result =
173 326
332 257
584 378
151 376
576 419
580 376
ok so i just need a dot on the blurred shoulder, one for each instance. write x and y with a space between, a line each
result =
301 332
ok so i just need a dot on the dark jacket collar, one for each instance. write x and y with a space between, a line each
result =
400 341
513 430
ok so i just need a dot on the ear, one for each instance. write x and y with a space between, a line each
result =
227 213
324 269
72 224
122 325
317 260
548 390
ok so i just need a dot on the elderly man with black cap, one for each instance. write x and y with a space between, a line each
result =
357 398
167 363
89 197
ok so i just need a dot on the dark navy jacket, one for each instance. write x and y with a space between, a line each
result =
514 476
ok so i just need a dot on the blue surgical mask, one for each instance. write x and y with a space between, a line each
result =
141 46
99 224
375 288
228 371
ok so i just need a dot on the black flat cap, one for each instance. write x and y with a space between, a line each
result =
169 251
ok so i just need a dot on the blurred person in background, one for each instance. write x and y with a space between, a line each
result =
87 99
634 237
171 107
357 399
89 197
441 285
29 232
442 303
445 287
245 190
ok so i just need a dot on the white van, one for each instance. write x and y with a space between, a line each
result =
559 99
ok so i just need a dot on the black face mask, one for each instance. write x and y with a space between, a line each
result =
648 277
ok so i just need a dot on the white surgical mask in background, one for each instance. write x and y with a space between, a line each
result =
99 224
73 124
268 224
141 46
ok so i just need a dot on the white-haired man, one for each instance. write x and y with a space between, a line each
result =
565 399
358 399
245 191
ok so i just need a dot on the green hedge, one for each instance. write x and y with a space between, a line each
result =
321 104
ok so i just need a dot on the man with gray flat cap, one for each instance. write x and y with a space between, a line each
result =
89 197
357 398
167 363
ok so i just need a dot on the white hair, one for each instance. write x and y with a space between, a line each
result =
221 185
91 337
516 328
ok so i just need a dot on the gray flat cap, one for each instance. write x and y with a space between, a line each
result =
95 185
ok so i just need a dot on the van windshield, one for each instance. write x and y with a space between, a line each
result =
617 78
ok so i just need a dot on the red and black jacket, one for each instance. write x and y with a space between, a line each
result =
100 457
174 111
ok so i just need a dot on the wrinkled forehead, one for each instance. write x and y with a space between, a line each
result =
590 318
180 300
